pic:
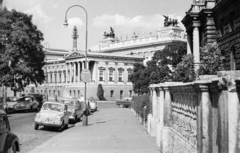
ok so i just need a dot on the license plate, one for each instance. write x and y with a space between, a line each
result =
48 121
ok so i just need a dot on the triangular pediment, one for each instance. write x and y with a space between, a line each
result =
74 55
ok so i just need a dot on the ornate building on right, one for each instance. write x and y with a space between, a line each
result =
208 21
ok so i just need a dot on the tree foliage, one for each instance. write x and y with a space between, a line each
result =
100 92
185 72
211 60
21 54
158 69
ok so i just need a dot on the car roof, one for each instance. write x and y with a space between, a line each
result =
2 112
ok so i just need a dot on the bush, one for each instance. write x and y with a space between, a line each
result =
100 92
184 71
138 104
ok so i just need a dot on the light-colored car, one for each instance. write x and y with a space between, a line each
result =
75 107
27 103
10 102
9 142
53 114
93 104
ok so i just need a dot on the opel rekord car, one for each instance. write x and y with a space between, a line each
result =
26 103
9 142
10 102
52 114
75 108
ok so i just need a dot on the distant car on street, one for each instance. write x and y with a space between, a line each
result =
9 142
40 98
52 114
125 102
26 103
75 107
10 102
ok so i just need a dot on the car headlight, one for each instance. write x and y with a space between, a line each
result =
38 115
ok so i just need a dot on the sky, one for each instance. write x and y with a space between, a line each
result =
124 16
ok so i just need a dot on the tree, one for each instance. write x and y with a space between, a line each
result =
100 92
185 72
140 79
21 54
211 60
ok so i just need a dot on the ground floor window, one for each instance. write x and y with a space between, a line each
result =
121 94
111 93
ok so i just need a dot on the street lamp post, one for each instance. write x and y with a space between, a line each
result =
85 118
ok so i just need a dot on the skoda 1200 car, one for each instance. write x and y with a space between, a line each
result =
75 108
9 142
52 114
27 103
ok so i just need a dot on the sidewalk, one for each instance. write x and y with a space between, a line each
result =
109 130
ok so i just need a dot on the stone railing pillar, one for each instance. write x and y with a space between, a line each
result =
203 119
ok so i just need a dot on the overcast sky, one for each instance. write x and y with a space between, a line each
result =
125 16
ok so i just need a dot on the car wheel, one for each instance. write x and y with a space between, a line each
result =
60 129
13 149
36 126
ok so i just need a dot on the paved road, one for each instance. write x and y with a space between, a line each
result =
22 125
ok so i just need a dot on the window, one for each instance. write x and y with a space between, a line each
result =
58 93
111 75
78 93
129 73
74 94
111 93
70 93
3 122
130 93
55 77
101 75
51 80
120 76
60 78
121 94
49 92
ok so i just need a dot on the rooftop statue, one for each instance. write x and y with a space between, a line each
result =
170 22
111 34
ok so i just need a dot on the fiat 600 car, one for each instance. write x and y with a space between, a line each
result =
74 108
27 103
53 114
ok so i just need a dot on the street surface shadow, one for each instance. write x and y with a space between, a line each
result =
54 129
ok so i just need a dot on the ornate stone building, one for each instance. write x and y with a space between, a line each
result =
209 21
110 66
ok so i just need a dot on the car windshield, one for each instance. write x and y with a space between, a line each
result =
53 107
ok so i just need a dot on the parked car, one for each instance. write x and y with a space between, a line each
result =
93 104
52 114
9 142
75 107
10 102
26 103
40 98
125 102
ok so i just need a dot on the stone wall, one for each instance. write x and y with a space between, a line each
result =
202 116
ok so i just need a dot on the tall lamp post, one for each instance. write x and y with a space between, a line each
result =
85 118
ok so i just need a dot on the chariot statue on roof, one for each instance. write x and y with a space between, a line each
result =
111 34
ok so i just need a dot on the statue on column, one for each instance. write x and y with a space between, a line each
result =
170 22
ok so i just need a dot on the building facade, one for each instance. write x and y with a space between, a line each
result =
109 66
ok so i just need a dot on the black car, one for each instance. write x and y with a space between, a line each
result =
40 98
9 142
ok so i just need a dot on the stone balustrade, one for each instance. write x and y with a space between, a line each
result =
198 117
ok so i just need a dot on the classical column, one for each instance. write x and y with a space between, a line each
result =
96 72
189 43
70 79
196 47
115 73
79 72
66 81
74 72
